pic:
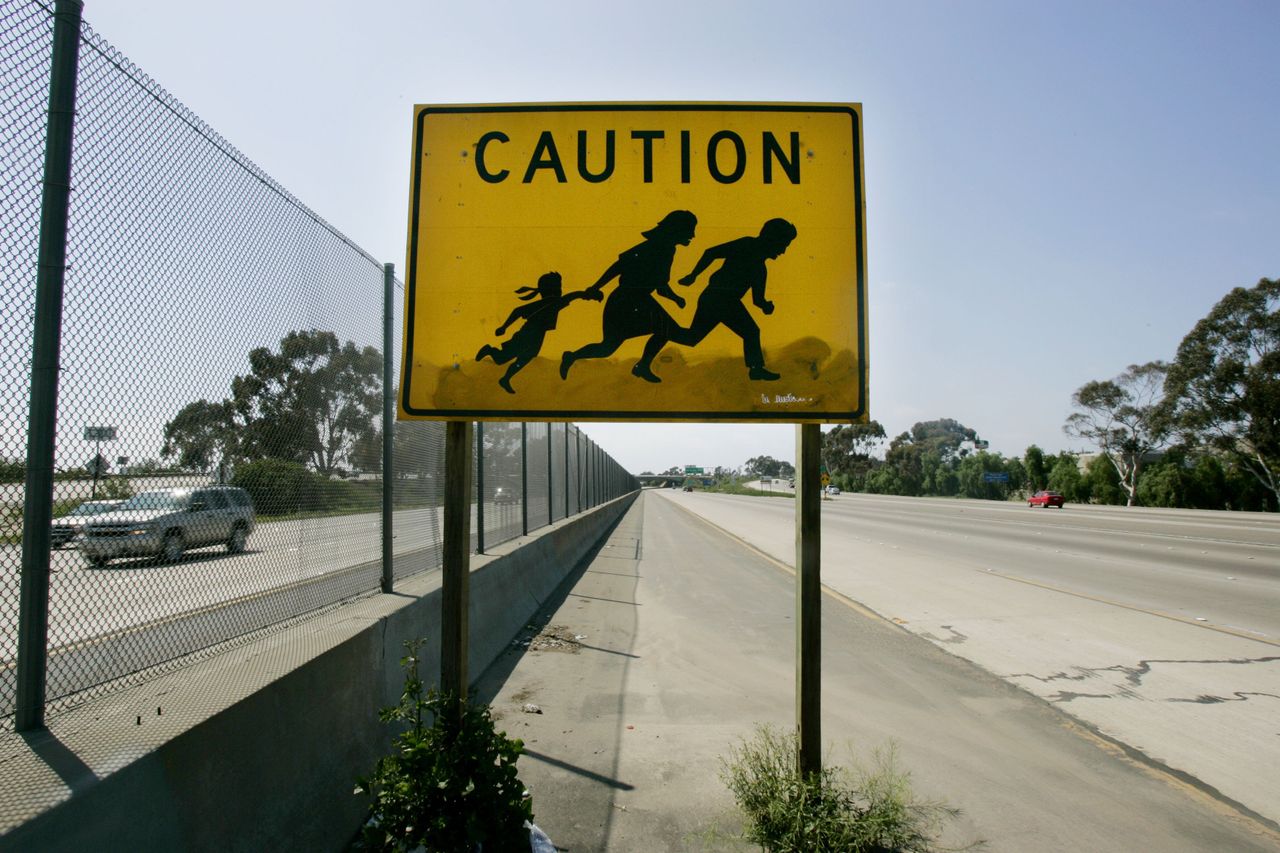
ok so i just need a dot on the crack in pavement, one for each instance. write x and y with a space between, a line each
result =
955 638
1241 696
1134 674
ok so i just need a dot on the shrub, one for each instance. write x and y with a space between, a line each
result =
833 810
449 784
278 487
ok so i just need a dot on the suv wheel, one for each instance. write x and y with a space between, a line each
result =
235 544
173 546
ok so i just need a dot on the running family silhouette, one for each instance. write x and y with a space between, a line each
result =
632 310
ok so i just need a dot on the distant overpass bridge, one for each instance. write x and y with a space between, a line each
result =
665 481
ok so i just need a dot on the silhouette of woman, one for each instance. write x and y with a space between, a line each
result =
631 310
721 303
539 318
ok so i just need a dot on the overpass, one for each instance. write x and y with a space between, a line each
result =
667 481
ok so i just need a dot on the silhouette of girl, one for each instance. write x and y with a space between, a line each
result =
539 318
631 310
743 270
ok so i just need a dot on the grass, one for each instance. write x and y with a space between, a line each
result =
871 810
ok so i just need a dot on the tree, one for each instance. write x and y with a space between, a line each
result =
311 401
1223 388
366 452
202 435
315 402
1121 417
971 478
12 471
1065 478
1037 472
847 449
1102 484
767 466
903 469
943 437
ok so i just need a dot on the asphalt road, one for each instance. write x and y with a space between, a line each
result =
678 639
138 613
1159 629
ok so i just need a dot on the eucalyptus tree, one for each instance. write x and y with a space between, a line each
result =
315 401
1223 388
1122 417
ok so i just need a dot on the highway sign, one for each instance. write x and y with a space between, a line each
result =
692 469
665 262
99 433
995 477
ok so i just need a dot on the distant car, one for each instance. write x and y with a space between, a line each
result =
688 488
1046 499
165 522
66 528
833 490
504 495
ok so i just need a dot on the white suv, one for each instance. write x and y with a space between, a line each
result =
166 522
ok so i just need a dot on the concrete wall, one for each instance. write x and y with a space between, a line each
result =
258 748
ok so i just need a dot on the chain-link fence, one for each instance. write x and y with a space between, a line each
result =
218 454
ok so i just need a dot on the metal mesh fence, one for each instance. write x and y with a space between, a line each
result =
218 451
538 468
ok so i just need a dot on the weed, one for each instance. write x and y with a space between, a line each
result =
450 783
866 811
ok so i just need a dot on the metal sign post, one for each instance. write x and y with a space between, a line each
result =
808 599
456 579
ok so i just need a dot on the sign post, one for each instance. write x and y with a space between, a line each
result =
455 584
808 600
700 262
98 434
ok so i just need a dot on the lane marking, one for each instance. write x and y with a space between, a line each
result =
1185 620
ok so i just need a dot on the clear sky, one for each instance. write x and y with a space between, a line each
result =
1055 190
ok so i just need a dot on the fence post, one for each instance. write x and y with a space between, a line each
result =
577 454
480 487
524 478
388 423
551 507
566 470
37 514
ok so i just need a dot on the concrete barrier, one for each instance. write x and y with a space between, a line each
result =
258 747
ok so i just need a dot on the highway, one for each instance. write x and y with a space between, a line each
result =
1159 629
134 614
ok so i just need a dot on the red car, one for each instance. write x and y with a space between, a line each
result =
1046 499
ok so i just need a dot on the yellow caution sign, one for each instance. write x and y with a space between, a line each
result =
663 262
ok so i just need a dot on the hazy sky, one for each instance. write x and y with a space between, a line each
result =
1054 190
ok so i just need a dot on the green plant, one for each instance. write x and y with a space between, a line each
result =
450 782
115 488
870 811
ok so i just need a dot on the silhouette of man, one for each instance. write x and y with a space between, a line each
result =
631 310
721 303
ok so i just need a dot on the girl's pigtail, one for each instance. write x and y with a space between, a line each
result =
526 293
